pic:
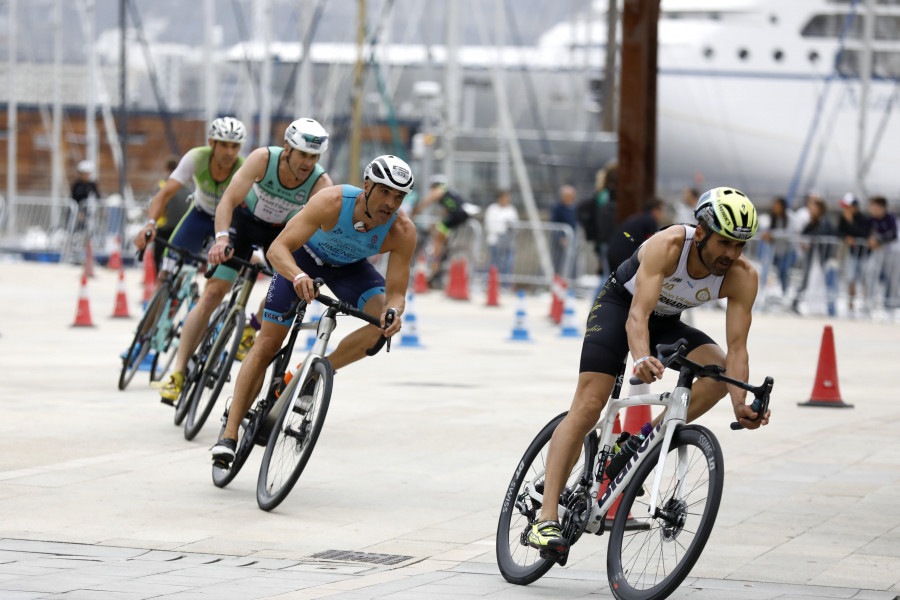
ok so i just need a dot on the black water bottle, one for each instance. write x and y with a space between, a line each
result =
626 451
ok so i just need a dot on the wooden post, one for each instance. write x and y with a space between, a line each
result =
637 107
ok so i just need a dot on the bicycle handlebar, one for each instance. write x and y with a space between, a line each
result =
675 354
349 309
177 249
256 267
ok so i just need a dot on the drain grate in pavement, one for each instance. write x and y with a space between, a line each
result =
364 557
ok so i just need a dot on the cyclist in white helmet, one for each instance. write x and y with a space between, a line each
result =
271 186
211 168
332 238
678 268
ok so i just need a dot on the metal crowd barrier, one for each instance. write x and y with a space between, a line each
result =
824 275
40 229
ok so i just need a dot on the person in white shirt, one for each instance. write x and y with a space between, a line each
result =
500 219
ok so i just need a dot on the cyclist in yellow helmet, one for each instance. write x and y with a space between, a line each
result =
640 306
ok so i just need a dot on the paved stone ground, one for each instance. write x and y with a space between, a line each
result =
102 497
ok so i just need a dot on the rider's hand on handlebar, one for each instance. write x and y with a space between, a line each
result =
305 287
145 236
649 370
394 326
748 417
221 251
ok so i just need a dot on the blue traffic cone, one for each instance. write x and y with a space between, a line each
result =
520 327
409 334
569 324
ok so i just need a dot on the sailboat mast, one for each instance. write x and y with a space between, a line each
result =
865 79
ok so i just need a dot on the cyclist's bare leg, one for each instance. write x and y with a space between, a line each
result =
353 347
591 395
253 370
438 241
197 320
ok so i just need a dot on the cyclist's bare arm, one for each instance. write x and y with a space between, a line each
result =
739 287
253 169
156 210
401 243
658 259
322 211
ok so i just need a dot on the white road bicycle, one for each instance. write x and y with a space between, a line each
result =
671 486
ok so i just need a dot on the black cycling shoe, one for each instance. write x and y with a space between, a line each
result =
223 452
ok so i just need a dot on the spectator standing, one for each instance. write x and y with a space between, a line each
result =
818 247
597 213
776 248
684 212
853 229
500 219
83 188
882 236
563 213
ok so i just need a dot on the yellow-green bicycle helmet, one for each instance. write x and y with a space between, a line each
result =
728 212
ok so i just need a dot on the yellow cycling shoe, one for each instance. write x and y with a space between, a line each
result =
546 535
170 391
247 339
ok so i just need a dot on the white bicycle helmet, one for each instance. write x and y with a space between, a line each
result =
227 129
307 136
85 166
391 171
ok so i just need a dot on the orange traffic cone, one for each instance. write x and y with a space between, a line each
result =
493 289
420 284
558 290
826 391
149 273
631 523
636 416
83 314
458 280
115 259
121 309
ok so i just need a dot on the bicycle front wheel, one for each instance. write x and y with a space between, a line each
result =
294 436
652 562
197 361
215 374
520 563
250 425
143 337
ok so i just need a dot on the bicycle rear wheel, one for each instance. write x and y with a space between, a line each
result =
294 436
520 563
216 373
140 345
249 428
165 355
651 563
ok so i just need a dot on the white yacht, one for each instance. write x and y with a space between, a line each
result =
767 95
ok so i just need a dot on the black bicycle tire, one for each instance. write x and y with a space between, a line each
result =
196 362
156 374
222 477
512 571
126 374
266 500
227 341
709 449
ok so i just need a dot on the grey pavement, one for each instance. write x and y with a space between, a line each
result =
102 497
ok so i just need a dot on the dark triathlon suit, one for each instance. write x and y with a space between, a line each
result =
606 341
456 214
